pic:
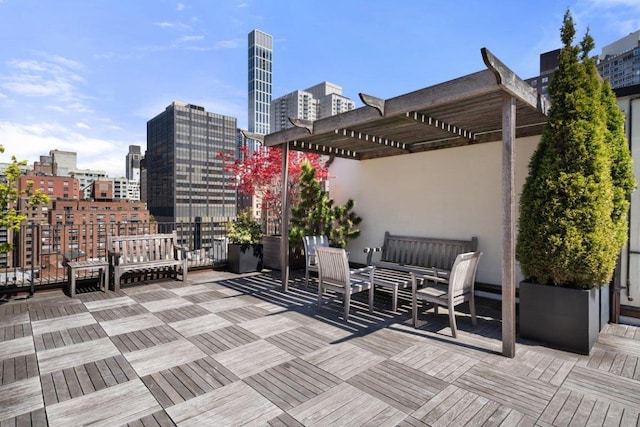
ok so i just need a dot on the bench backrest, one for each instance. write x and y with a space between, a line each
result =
144 247
424 251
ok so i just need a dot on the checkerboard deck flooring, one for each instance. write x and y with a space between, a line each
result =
224 349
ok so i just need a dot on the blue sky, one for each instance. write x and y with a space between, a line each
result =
86 76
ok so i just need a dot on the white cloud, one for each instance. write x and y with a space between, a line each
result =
227 44
180 7
189 39
83 125
30 141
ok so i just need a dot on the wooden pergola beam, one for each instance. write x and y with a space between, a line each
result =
430 121
361 136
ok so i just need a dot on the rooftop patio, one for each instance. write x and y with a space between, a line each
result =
223 349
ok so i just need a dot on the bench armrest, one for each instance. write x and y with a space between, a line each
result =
113 257
370 252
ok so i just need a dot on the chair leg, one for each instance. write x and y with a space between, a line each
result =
472 309
371 299
347 305
452 322
414 309
306 277
319 295
394 299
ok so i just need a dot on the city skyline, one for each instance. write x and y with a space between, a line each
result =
87 76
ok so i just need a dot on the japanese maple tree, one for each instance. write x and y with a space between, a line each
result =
260 174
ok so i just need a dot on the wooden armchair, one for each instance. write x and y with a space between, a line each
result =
310 262
448 288
334 274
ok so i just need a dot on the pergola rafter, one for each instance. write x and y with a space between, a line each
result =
430 121
361 136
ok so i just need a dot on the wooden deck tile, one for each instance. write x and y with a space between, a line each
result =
234 404
60 307
157 419
75 354
164 356
180 383
436 361
20 397
69 336
181 313
144 338
219 305
16 347
109 406
223 339
378 342
271 325
110 303
525 395
166 304
299 341
605 386
346 405
243 361
62 322
131 323
11 320
149 294
200 324
204 295
404 388
120 312
243 314
18 368
343 360
291 383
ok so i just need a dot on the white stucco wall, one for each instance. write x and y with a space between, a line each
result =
453 193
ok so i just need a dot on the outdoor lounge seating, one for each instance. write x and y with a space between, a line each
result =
310 261
400 255
143 253
448 288
334 275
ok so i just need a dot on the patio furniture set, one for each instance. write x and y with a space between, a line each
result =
140 254
439 271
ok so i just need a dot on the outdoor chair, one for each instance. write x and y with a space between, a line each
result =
310 262
448 288
334 275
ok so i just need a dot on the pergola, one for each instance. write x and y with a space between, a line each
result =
486 106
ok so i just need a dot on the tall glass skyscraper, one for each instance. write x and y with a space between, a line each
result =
260 83
185 177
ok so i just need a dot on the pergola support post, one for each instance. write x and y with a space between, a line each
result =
284 226
508 228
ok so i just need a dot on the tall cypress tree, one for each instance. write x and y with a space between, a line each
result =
570 216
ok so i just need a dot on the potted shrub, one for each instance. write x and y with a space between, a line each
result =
574 205
244 251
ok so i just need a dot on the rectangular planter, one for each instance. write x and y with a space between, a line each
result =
244 258
272 254
565 318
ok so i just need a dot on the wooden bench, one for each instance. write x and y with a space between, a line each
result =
144 253
402 255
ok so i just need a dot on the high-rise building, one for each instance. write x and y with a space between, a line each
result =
65 161
133 163
548 65
260 83
322 100
186 181
619 61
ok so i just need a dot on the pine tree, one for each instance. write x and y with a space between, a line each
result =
316 215
572 205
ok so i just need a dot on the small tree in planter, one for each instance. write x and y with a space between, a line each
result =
244 251
574 204
316 215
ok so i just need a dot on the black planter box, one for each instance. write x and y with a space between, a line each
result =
244 258
570 319
272 254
